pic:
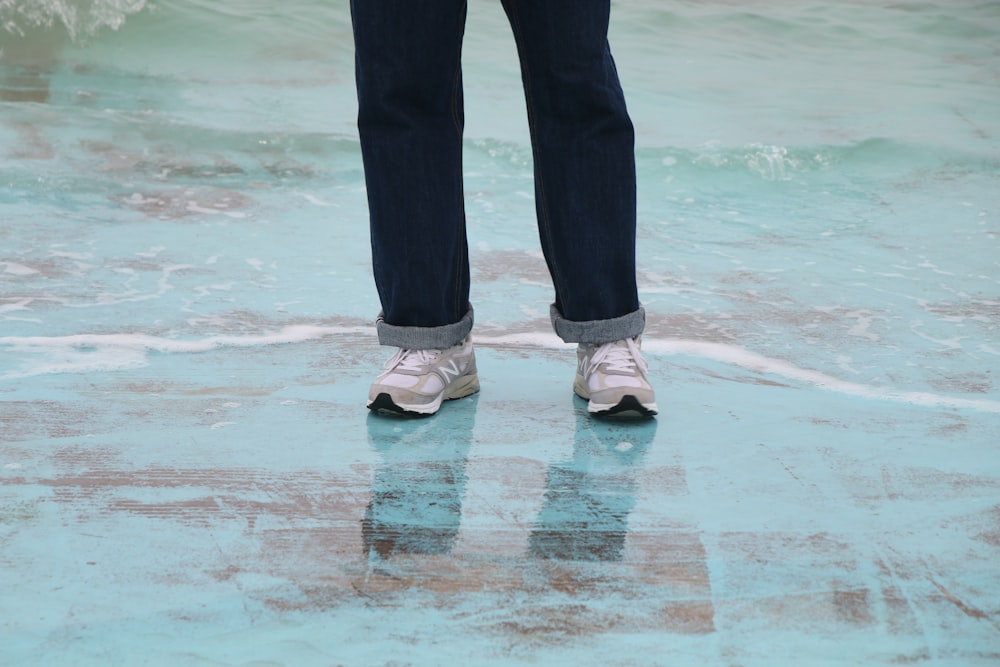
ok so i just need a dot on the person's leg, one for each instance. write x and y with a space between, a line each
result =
583 149
410 121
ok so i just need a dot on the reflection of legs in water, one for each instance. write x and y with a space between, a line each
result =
588 499
416 500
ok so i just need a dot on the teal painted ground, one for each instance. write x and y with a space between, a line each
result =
188 475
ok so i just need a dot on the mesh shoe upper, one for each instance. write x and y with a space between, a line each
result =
608 374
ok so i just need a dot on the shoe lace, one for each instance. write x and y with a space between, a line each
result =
617 358
411 360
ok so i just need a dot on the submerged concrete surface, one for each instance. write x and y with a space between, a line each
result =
153 517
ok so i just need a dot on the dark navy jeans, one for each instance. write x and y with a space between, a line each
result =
410 120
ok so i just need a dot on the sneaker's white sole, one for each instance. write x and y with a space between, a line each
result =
464 386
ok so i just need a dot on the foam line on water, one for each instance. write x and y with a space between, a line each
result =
105 352
738 356
295 333
109 352
758 363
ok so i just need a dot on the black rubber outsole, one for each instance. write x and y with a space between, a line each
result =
628 408
384 405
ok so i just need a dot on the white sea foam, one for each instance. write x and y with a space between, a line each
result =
738 356
80 19
297 333
79 353
18 269
19 304
862 328
316 201
757 363
152 252
105 352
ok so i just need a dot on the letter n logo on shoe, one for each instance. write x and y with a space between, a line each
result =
451 371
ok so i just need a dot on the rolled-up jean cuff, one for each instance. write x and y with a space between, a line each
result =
598 332
424 338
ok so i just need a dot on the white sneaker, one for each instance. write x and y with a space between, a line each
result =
415 382
612 377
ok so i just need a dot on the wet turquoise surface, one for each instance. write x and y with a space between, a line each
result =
188 475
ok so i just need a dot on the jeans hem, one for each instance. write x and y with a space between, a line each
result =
598 332
424 338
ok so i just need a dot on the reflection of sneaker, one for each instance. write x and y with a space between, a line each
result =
613 378
415 382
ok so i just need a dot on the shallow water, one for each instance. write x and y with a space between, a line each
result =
819 254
